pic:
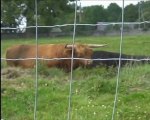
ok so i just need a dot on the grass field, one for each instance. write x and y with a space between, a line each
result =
93 89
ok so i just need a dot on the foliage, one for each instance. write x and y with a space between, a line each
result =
145 6
94 14
131 13
114 13
48 11
51 12
7 7
44 71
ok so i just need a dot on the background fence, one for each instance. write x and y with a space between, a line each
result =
99 29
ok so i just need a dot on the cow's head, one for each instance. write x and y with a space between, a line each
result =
81 51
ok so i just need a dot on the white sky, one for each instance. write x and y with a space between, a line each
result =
105 3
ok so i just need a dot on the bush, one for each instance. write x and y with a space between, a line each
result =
45 71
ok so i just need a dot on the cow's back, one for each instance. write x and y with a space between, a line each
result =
28 52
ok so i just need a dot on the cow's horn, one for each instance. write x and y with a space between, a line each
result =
70 46
96 45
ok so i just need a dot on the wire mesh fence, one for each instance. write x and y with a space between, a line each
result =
99 29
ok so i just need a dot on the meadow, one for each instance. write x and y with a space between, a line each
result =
93 90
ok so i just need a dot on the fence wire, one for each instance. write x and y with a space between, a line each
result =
36 65
119 66
85 24
97 59
73 58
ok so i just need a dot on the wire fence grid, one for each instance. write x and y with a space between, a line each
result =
72 58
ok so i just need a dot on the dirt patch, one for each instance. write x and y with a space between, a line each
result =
13 73
13 78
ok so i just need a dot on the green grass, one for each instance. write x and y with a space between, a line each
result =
93 89
131 44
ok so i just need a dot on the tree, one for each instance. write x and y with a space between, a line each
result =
145 8
145 14
9 12
131 13
94 14
114 12
48 11
51 11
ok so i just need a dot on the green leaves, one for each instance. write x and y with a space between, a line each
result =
131 13
114 13
94 14
51 12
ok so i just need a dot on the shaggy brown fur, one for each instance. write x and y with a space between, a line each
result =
49 51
